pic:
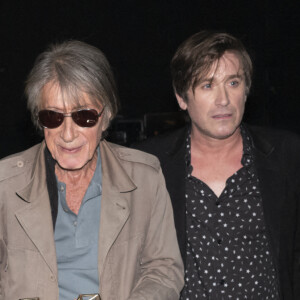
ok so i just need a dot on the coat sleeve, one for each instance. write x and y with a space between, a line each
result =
161 264
3 247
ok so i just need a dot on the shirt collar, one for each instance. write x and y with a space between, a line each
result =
247 157
95 187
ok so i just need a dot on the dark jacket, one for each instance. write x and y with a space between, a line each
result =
277 159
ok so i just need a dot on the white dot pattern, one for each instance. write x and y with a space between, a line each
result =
228 252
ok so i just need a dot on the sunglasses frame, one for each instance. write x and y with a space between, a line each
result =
70 114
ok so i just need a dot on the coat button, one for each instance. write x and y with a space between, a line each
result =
52 278
20 164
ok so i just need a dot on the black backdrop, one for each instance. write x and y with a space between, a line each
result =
139 38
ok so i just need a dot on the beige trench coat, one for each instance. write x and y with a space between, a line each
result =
138 251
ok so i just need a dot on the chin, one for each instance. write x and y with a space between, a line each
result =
225 133
71 165
224 136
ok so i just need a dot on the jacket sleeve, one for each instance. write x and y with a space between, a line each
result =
296 279
161 264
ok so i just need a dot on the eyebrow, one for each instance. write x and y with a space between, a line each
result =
240 76
62 109
211 79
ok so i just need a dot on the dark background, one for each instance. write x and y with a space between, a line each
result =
139 38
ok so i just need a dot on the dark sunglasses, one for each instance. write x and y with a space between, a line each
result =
83 117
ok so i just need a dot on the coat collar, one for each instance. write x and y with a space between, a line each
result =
36 218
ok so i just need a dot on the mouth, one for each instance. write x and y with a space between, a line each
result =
222 116
70 150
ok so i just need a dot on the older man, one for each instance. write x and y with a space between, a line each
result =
234 188
79 215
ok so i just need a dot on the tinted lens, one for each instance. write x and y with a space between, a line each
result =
85 117
50 118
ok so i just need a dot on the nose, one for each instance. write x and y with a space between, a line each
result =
68 130
222 96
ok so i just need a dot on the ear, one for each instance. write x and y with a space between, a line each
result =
105 120
181 102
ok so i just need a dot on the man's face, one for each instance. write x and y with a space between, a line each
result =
216 106
72 146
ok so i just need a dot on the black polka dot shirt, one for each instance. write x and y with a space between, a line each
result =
228 251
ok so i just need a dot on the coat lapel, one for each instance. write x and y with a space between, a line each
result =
115 203
36 218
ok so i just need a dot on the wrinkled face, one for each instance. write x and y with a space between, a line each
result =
216 106
72 146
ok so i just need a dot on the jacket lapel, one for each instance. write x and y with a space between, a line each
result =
115 203
175 172
271 185
36 218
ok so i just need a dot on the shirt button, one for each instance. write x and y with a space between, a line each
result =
62 188
218 203
219 242
75 223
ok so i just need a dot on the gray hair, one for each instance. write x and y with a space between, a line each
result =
76 68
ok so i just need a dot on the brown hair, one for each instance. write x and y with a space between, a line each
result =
195 57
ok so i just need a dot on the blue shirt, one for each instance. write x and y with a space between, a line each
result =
76 240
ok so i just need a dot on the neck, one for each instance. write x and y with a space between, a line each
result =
209 146
77 176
